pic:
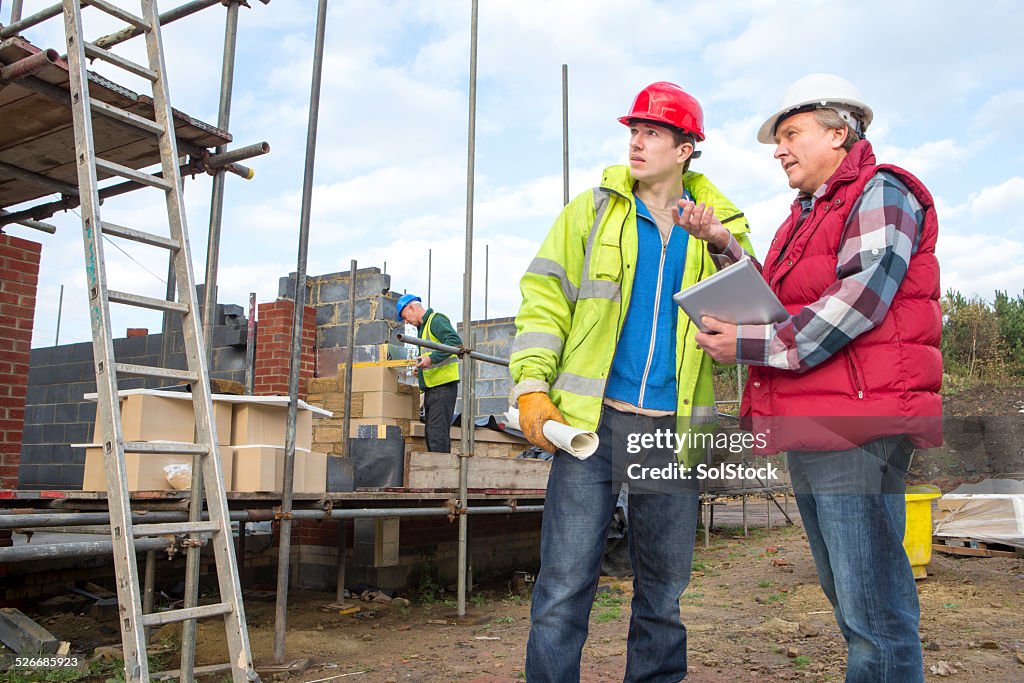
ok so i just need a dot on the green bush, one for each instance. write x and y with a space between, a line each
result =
1010 313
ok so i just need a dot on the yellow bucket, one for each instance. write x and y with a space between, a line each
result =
917 539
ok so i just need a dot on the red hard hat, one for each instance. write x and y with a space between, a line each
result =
667 103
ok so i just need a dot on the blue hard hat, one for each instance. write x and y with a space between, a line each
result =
404 301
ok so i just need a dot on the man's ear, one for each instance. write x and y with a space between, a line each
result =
839 137
685 151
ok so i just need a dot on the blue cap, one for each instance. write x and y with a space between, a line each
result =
404 301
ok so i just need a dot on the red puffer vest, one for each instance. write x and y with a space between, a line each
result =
887 380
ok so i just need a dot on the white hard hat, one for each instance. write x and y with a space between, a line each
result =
819 91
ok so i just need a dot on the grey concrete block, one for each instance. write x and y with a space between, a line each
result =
77 390
39 356
79 352
23 635
501 332
327 314
228 359
333 291
317 577
225 335
45 374
41 414
87 411
363 309
65 412
492 406
79 432
57 393
332 337
372 284
32 433
491 370
34 454
53 433
376 332
230 314
35 394
502 349
130 346
286 288
386 309
154 343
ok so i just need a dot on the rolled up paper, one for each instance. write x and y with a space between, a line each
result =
578 443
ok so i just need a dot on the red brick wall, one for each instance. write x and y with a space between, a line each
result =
19 275
273 348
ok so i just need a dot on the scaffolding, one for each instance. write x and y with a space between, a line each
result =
43 75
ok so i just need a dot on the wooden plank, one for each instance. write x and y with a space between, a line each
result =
971 552
441 471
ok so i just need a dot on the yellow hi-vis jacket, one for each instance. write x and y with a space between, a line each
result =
446 371
576 294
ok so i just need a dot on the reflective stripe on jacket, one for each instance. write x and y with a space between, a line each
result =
576 292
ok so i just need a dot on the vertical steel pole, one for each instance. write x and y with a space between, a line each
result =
149 587
346 421
250 346
339 591
565 134
487 276
430 272
467 320
285 538
227 81
60 310
188 632
16 11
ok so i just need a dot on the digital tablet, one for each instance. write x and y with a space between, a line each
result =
737 294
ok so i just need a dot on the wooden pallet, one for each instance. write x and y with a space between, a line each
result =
967 547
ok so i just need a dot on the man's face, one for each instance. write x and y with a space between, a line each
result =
809 152
653 154
413 313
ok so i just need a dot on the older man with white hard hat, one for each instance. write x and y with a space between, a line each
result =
849 383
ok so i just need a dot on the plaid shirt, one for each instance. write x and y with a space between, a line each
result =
882 233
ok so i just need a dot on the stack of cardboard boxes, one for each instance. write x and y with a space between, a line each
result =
250 431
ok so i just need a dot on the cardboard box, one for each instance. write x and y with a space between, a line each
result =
260 424
389 404
374 378
261 468
146 417
315 480
145 470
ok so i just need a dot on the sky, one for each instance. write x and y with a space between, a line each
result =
945 82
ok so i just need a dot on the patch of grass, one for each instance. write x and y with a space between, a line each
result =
504 620
801 661
609 599
951 605
699 566
693 595
764 584
479 600
775 597
513 599
608 614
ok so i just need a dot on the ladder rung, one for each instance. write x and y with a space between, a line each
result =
165 447
175 674
141 530
93 50
132 174
139 236
127 117
152 371
176 615
123 15
146 302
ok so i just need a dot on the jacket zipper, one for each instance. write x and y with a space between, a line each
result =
654 323
853 372
618 323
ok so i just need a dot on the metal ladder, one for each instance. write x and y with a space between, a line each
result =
133 622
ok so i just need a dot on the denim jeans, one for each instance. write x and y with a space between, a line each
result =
578 509
854 514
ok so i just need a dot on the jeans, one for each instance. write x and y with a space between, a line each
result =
854 514
578 509
439 409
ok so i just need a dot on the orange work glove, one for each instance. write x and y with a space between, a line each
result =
534 410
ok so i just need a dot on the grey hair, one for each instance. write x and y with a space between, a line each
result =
830 118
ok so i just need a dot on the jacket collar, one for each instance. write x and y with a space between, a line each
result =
860 156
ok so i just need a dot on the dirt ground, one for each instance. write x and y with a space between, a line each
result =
753 610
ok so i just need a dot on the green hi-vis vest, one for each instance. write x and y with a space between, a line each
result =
444 372
576 293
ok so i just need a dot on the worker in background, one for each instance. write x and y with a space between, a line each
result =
438 371
849 383
600 345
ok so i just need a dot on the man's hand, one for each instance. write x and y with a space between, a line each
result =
534 410
720 343
700 221
424 362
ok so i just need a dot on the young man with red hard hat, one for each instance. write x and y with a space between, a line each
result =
601 346
849 383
